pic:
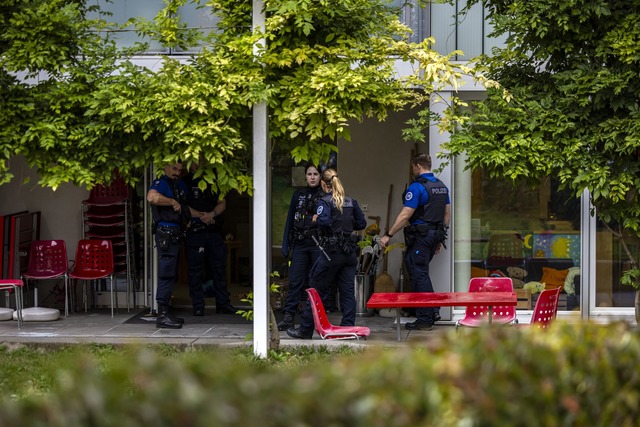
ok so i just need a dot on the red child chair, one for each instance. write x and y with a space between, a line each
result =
478 315
546 308
94 260
48 260
325 329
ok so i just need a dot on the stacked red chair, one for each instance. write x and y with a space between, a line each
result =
106 214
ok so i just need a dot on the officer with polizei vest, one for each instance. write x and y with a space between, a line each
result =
427 209
298 243
338 215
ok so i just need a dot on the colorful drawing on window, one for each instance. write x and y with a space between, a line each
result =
557 246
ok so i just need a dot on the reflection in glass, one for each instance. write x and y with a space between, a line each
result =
611 263
120 12
529 233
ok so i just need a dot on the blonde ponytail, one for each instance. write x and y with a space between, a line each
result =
331 180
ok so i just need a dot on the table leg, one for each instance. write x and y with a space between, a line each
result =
490 314
398 323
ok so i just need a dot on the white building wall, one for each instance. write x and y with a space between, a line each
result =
60 209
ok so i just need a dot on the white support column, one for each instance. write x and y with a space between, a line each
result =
441 267
261 213
588 256
150 258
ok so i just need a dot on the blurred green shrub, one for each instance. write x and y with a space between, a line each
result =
569 375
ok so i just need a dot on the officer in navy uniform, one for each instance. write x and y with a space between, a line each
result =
427 208
168 199
298 242
338 215
205 245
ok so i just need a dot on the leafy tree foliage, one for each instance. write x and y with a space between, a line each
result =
77 107
568 105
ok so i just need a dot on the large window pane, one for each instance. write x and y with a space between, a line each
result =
199 17
443 27
470 33
531 234
611 263
123 10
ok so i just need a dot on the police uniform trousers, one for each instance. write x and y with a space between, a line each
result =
168 255
417 259
206 250
342 271
304 255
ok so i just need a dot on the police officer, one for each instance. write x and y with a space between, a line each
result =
427 208
168 198
297 241
338 215
205 246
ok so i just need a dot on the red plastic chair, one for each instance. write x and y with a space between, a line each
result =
325 329
106 202
478 315
48 260
102 195
15 286
546 308
94 260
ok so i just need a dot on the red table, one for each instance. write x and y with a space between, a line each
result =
398 300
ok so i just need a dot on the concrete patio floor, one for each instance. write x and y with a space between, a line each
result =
99 327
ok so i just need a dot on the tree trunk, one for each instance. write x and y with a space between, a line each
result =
274 339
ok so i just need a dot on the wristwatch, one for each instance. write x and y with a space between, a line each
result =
388 235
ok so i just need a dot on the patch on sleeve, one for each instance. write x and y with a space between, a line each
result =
320 209
408 196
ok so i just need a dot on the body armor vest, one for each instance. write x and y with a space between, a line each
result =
433 210
166 213
306 202
341 223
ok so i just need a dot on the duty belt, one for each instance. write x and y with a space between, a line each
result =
420 228
335 241
199 226
304 234
174 232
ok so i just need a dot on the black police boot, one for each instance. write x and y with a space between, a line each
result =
227 309
299 333
286 322
175 318
419 325
165 320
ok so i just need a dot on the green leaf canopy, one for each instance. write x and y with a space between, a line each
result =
77 106
571 107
